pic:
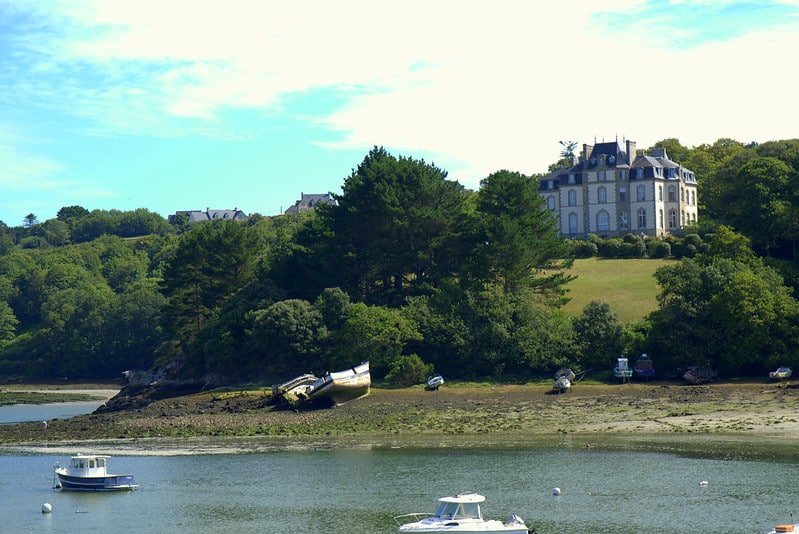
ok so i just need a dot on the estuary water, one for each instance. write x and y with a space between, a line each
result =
20 413
610 488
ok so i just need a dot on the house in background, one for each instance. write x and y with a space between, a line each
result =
194 216
611 192
309 202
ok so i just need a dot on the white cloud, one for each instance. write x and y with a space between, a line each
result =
477 86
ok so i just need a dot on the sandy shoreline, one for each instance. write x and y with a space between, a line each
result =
629 415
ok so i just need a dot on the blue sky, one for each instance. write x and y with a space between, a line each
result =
176 104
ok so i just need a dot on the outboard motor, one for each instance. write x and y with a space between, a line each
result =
514 521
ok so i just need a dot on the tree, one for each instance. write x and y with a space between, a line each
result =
211 262
372 333
289 335
30 221
599 335
674 150
8 323
387 235
514 237
71 212
726 310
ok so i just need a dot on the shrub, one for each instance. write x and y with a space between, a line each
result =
659 249
584 249
409 370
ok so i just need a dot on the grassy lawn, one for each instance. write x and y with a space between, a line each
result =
627 285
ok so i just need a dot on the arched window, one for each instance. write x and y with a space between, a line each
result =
601 195
672 194
572 198
672 218
573 223
640 193
602 221
642 218
623 220
551 202
660 192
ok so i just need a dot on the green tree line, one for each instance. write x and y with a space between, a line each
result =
408 270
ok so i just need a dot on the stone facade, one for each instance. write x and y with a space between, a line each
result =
611 192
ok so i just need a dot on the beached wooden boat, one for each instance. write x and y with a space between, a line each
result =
699 375
341 386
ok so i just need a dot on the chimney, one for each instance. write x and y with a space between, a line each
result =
630 152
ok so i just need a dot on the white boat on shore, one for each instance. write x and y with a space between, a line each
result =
460 513
563 380
341 386
434 382
622 370
89 473
782 373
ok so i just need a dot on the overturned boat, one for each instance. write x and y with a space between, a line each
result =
699 375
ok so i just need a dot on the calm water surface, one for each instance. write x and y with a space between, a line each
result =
21 413
359 489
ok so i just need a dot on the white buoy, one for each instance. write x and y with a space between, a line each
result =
704 483
555 491
47 508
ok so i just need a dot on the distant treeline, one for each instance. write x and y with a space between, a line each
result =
408 270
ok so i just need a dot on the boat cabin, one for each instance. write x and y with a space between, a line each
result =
90 465
460 507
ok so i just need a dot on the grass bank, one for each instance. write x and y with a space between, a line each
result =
627 285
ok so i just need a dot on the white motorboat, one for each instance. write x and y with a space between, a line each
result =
460 513
341 386
89 473
782 373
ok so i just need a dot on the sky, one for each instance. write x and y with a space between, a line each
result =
176 104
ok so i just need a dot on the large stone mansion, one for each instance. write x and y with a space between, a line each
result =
610 192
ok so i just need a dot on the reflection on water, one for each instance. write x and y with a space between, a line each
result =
606 489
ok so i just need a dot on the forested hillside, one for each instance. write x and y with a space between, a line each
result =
410 271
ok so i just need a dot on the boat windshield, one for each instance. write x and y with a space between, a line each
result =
454 510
